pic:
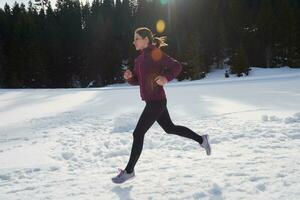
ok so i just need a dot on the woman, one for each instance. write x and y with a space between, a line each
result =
152 70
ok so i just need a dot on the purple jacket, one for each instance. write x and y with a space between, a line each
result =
151 63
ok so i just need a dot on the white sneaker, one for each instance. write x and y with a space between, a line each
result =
205 144
123 176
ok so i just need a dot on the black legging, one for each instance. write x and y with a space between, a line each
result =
155 111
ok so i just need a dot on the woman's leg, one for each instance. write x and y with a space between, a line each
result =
166 123
149 115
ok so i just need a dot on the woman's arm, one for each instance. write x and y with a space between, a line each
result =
134 79
171 67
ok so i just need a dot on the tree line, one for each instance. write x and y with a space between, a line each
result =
79 45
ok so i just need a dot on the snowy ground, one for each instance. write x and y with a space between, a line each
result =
68 143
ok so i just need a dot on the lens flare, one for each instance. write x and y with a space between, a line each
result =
156 54
163 2
160 26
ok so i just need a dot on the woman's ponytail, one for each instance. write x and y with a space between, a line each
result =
160 41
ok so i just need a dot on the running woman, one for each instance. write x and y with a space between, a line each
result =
152 70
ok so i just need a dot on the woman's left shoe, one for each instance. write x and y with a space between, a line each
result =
123 176
205 144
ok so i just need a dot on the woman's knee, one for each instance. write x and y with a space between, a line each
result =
170 129
138 135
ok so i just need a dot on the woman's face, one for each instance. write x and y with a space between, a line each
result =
139 42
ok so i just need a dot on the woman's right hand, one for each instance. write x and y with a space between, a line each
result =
127 74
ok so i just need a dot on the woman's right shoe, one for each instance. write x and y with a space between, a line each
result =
205 144
123 176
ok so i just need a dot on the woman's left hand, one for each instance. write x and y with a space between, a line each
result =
161 80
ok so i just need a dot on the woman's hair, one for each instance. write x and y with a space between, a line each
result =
146 32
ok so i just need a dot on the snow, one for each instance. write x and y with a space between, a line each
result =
68 143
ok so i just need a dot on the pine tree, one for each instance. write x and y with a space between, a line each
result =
144 14
284 32
5 34
3 26
265 23
15 48
240 63
2 63
190 37
35 61
220 13
93 48
69 21
195 57
123 35
295 56
53 49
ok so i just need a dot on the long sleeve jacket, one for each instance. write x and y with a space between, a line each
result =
151 63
